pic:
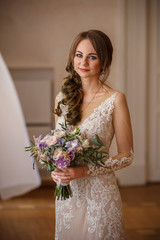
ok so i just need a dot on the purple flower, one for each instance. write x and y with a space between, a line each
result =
71 145
63 162
38 138
61 142
69 130
42 145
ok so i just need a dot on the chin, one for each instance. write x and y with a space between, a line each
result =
84 75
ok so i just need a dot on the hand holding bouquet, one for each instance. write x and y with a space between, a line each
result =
63 148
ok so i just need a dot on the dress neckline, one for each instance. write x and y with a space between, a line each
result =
95 109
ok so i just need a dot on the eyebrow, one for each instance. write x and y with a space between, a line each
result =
88 54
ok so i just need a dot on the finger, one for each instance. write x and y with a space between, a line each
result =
58 180
61 175
56 173
65 180
54 178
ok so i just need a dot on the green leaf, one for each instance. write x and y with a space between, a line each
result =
64 125
99 140
77 131
34 164
95 142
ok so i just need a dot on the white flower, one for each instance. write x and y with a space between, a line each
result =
85 143
75 130
57 153
50 140
59 134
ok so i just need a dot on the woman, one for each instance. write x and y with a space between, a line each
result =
95 210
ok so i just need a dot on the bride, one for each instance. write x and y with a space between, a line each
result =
95 210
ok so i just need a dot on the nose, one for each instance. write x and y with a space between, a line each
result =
84 61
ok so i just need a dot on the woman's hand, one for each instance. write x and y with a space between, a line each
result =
68 174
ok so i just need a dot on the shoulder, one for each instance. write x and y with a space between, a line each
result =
120 99
120 104
113 93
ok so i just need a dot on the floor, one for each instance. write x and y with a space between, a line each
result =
31 217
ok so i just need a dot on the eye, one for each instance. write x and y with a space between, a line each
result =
79 55
92 57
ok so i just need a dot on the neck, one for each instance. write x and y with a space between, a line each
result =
90 86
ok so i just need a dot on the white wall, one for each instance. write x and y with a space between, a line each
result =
38 34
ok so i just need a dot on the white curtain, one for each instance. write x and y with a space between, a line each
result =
16 173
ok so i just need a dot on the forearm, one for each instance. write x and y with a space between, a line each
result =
114 163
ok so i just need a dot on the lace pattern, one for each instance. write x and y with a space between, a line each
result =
110 165
95 210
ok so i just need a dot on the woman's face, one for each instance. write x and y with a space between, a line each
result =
86 62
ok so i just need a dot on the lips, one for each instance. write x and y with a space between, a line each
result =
83 69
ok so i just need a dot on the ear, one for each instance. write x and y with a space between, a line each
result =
102 71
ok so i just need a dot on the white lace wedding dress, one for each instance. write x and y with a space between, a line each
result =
95 210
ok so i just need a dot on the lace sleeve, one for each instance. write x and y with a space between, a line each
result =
123 133
111 165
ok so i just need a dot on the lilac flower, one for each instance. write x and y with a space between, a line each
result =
61 142
63 162
42 145
38 138
71 145
69 130
64 159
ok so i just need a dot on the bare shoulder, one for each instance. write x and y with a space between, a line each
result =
120 99
120 104
110 91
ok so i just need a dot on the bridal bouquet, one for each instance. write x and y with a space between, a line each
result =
63 148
